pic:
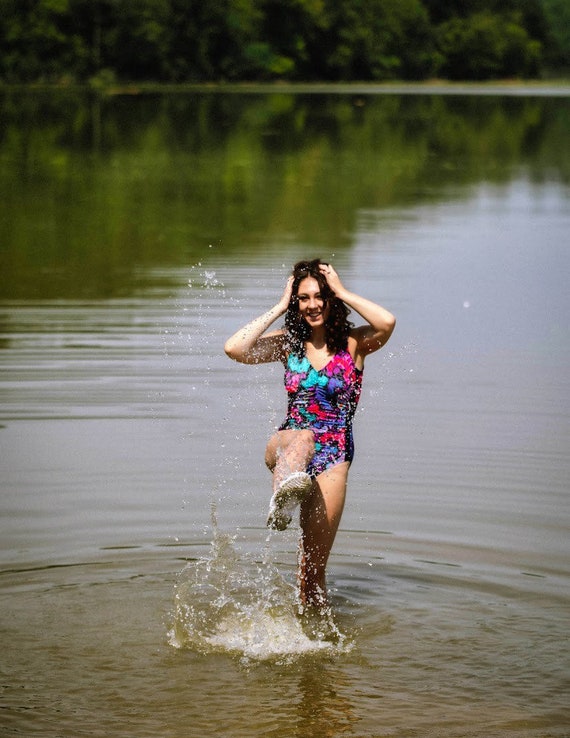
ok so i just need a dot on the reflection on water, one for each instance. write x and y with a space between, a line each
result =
137 233
94 191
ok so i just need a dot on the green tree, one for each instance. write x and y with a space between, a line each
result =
378 39
557 13
208 40
487 46
137 42
213 40
489 38
289 37
37 42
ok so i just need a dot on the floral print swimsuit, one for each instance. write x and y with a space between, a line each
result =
325 402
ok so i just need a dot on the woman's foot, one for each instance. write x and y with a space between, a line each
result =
286 497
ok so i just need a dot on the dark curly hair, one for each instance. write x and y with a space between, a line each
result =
337 326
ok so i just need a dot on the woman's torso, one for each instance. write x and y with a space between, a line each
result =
324 399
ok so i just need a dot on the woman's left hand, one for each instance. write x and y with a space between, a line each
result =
380 322
333 280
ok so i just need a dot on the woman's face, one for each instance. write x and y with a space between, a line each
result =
312 306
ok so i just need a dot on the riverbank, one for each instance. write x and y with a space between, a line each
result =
514 87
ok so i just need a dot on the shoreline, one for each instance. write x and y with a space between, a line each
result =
517 88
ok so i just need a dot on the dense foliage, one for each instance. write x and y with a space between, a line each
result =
215 40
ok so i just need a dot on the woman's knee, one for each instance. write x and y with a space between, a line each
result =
271 450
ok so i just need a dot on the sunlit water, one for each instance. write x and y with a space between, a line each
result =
140 591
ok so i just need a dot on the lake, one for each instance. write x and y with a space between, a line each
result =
140 592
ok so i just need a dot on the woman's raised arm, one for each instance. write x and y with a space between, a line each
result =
248 345
380 321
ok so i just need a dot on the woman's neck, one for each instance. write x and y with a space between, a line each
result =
318 338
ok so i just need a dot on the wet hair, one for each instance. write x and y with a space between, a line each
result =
337 326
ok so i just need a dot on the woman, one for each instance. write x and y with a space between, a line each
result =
310 454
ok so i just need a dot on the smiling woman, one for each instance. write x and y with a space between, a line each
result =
310 454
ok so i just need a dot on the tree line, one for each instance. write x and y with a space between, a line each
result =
104 41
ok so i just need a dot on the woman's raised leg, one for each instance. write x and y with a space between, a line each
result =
287 455
289 451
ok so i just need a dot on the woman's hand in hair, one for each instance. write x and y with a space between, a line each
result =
287 294
333 280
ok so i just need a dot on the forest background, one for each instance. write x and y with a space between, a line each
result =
106 41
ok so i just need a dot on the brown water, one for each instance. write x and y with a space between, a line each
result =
140 593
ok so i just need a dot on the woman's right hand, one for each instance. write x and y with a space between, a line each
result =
286 297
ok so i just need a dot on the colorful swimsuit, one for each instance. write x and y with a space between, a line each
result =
325 402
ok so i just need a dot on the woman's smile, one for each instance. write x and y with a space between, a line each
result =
314 314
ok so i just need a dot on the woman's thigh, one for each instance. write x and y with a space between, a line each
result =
301 442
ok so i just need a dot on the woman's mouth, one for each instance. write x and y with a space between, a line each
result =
314 315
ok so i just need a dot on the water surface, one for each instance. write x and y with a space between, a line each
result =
141 594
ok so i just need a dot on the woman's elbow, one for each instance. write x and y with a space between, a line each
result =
235 352
389 327
231 350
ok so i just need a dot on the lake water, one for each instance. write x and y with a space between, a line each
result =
140 593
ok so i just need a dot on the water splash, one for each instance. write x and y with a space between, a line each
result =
229 603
